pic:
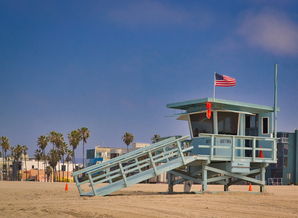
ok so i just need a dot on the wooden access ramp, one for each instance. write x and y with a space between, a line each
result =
133 167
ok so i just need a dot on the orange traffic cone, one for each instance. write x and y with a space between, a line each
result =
261 154
250 187
66 187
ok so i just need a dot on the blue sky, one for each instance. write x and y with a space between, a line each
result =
112 66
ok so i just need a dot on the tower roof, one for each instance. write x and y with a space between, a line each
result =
220 104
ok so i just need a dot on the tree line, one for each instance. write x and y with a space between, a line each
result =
59 152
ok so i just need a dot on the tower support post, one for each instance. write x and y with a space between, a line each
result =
170 182
263 172
204 178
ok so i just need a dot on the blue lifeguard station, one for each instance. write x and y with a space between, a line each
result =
230 142
234 144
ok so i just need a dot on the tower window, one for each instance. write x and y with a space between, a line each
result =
265 125
200 124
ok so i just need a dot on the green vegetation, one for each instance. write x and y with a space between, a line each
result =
60 152
127 138
74 139
85 134
5 147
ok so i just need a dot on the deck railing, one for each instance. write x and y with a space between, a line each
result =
238 144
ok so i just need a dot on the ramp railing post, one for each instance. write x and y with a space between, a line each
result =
152 162
91 183
181 153
123 174
108 175
164 151
137 162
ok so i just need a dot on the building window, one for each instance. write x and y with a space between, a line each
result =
227 123
32 166
265 125
201 124
90 153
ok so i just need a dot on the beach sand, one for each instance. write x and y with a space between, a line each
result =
36 199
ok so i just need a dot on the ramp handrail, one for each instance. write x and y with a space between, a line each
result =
129 154
132 166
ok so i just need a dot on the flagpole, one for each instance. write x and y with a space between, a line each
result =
214 85
275 100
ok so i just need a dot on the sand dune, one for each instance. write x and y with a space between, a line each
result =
32 199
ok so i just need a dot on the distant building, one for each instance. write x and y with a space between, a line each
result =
100 154
285 171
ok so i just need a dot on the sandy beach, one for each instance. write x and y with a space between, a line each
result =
34 199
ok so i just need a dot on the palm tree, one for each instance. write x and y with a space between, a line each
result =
85 134
74 139
56 139
127 138
16 153
53 158
5 147
25 149
12 154
42 142
155 138
38 156
19 156
63 147
69 155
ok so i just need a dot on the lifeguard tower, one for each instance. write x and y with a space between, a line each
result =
233 142
229 142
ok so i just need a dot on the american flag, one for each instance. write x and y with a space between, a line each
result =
224 81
